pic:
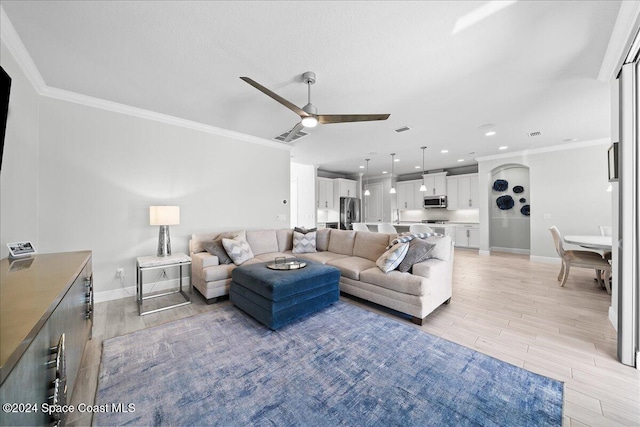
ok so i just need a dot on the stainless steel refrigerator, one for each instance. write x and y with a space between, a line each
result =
349 212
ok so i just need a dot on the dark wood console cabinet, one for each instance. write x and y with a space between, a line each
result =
42 299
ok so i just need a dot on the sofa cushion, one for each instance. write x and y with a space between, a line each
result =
419 250
285 239
214 247
271 256
322 239
304 230
304 243
392 257
262 241
322 257
370 245
352 266
395 280
218 272
341 241
238 250
197 240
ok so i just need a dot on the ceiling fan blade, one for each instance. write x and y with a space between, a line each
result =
344 118
293 132
281 100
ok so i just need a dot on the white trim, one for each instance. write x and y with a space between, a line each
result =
560 147
13 43
510 250
15 46
130 291
624 31
613 317
545 259
484 253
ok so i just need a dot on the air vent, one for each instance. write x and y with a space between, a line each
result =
537 133
402 129
297 136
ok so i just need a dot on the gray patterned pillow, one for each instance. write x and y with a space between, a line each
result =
238 250
392 257
419 250
304 243
215 248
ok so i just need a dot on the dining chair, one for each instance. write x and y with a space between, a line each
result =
420 228
581 259
385 227
359 226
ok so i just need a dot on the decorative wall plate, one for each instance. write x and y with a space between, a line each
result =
525 210
505 202
518 189
500 185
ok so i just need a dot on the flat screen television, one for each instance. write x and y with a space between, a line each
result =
5 89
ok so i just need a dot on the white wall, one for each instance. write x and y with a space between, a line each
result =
19 175
305 199
87 176
568 183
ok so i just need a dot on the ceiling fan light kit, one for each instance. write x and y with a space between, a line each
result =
309 116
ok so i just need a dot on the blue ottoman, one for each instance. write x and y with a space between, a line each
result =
277 297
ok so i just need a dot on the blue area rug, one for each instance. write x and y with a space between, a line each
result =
341 366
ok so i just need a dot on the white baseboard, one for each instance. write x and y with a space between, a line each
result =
510 250
484 253
545 259
613 317
130 291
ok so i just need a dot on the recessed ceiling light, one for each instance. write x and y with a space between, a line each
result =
417 167
396 160
571 140
460 160
372 153
490 133
361 166
504 147
384 171
444 151
488 129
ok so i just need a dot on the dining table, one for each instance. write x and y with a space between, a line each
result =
591 241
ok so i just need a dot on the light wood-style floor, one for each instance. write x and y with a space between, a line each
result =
503 305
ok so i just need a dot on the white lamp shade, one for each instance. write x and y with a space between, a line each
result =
164 215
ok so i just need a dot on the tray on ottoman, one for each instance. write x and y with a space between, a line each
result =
277 297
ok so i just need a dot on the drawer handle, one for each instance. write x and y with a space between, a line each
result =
59 396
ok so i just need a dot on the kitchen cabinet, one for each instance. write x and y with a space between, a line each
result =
462 192
436 184
344 188
325 193
409 195
467 236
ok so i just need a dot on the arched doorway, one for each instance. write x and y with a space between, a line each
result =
509 205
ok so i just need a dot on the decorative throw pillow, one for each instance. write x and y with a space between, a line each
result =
238 250
419 250
304 243
215 248
407 237
442 250
392 257
304 230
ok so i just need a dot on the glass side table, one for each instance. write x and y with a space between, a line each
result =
147 263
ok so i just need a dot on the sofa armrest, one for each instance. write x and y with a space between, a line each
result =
431 268
203 260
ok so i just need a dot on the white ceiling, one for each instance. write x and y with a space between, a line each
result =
531 66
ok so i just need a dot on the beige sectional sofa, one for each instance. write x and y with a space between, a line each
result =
354 253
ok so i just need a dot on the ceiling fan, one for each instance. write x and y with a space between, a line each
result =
309 116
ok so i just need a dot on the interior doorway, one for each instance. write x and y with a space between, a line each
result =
509 209
372 204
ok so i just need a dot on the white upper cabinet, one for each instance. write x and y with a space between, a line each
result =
345 187
325 193
462 192
436 184
409 195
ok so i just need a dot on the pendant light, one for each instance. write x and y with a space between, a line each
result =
423 187
367 192
393 189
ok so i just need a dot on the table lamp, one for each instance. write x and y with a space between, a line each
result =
164 216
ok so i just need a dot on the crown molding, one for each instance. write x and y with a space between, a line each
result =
624 32
561 147
12 41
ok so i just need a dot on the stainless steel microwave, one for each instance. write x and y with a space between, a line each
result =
435 202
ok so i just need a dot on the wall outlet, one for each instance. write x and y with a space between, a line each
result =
120 273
